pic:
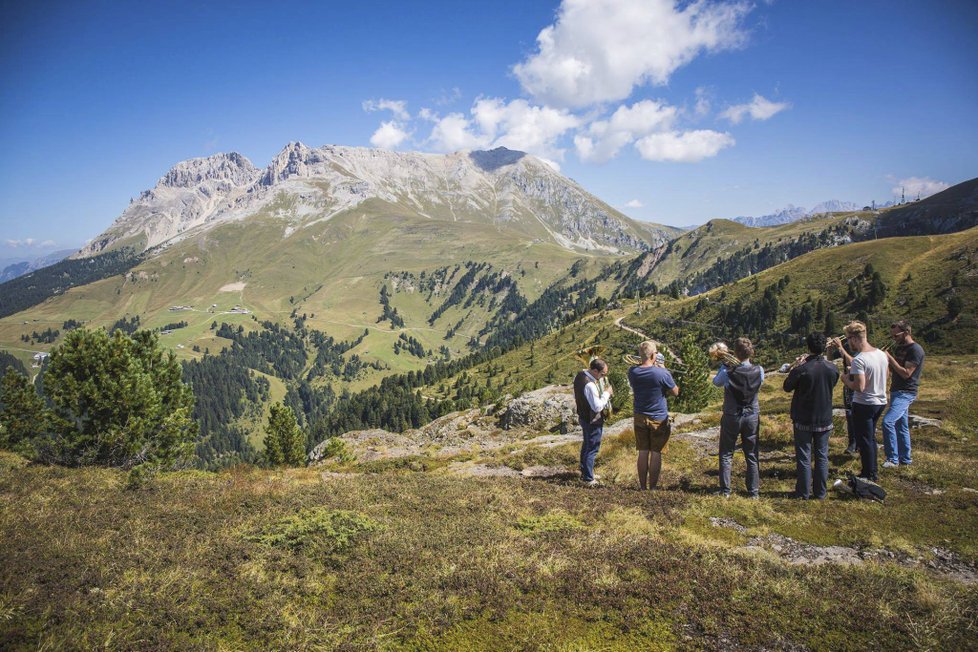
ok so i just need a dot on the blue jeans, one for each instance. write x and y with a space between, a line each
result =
744 427
896 427
589 447
806 444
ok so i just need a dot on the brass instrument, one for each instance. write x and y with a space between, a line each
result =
586 355
631 360
589 353
722 354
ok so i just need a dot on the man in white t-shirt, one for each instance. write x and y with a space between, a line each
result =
867 379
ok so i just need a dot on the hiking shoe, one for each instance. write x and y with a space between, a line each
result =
890 465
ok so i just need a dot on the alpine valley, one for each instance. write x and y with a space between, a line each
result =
315 278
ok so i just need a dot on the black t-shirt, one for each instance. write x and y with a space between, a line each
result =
909 354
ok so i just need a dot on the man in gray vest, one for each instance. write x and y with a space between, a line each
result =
741 383
590 402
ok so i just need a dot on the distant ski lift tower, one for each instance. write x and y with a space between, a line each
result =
903 195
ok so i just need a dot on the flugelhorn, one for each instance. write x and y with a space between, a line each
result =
589 353
722 354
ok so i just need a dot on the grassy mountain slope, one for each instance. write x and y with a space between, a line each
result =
408 554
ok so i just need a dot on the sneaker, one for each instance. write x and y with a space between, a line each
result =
851 450
721 494
593 483
890 465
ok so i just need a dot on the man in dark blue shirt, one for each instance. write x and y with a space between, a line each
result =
650 384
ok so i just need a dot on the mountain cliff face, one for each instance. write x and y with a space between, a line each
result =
303 186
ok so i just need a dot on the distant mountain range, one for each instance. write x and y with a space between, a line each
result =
791 213
11 270
304 186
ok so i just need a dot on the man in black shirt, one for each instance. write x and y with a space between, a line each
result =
812 382
906 363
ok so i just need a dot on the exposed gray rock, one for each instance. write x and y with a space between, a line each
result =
542 409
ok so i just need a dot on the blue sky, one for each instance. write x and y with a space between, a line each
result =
674 113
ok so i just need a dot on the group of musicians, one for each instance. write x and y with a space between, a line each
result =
811 379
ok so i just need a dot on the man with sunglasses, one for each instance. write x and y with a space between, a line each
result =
906 362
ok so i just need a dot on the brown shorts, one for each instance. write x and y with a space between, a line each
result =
651 434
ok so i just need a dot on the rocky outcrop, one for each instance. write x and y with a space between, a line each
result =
549 408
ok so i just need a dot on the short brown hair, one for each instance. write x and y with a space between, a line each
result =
598 364
646 350
855 328
903 326
743 348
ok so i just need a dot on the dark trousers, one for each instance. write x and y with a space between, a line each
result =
589 447
744 427
851 442
864 418
807 445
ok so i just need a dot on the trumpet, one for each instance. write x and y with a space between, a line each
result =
722 354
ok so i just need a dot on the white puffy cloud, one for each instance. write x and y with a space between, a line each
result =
914 186
683 147
28 242
455 132
600 50
496 123
634 204
389 135
759 108
603 139
397 107
520 125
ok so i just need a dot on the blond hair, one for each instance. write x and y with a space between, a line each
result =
647 350
855 328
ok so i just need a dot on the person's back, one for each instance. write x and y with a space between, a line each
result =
873 365
743 385
812 383
649 387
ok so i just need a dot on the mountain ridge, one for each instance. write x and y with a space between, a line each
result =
504 187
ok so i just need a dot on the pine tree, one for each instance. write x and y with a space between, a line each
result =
117 400
284 441
695 389
22 413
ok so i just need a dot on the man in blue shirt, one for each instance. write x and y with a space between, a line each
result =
650 384
740 419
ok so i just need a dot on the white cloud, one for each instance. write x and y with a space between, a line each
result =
759 108
914 186
685 147
455 132
600 50
397 107
27 242
496 123
520 125
604 138
388 136
634 204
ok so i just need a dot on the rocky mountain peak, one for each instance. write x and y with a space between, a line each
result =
232 168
